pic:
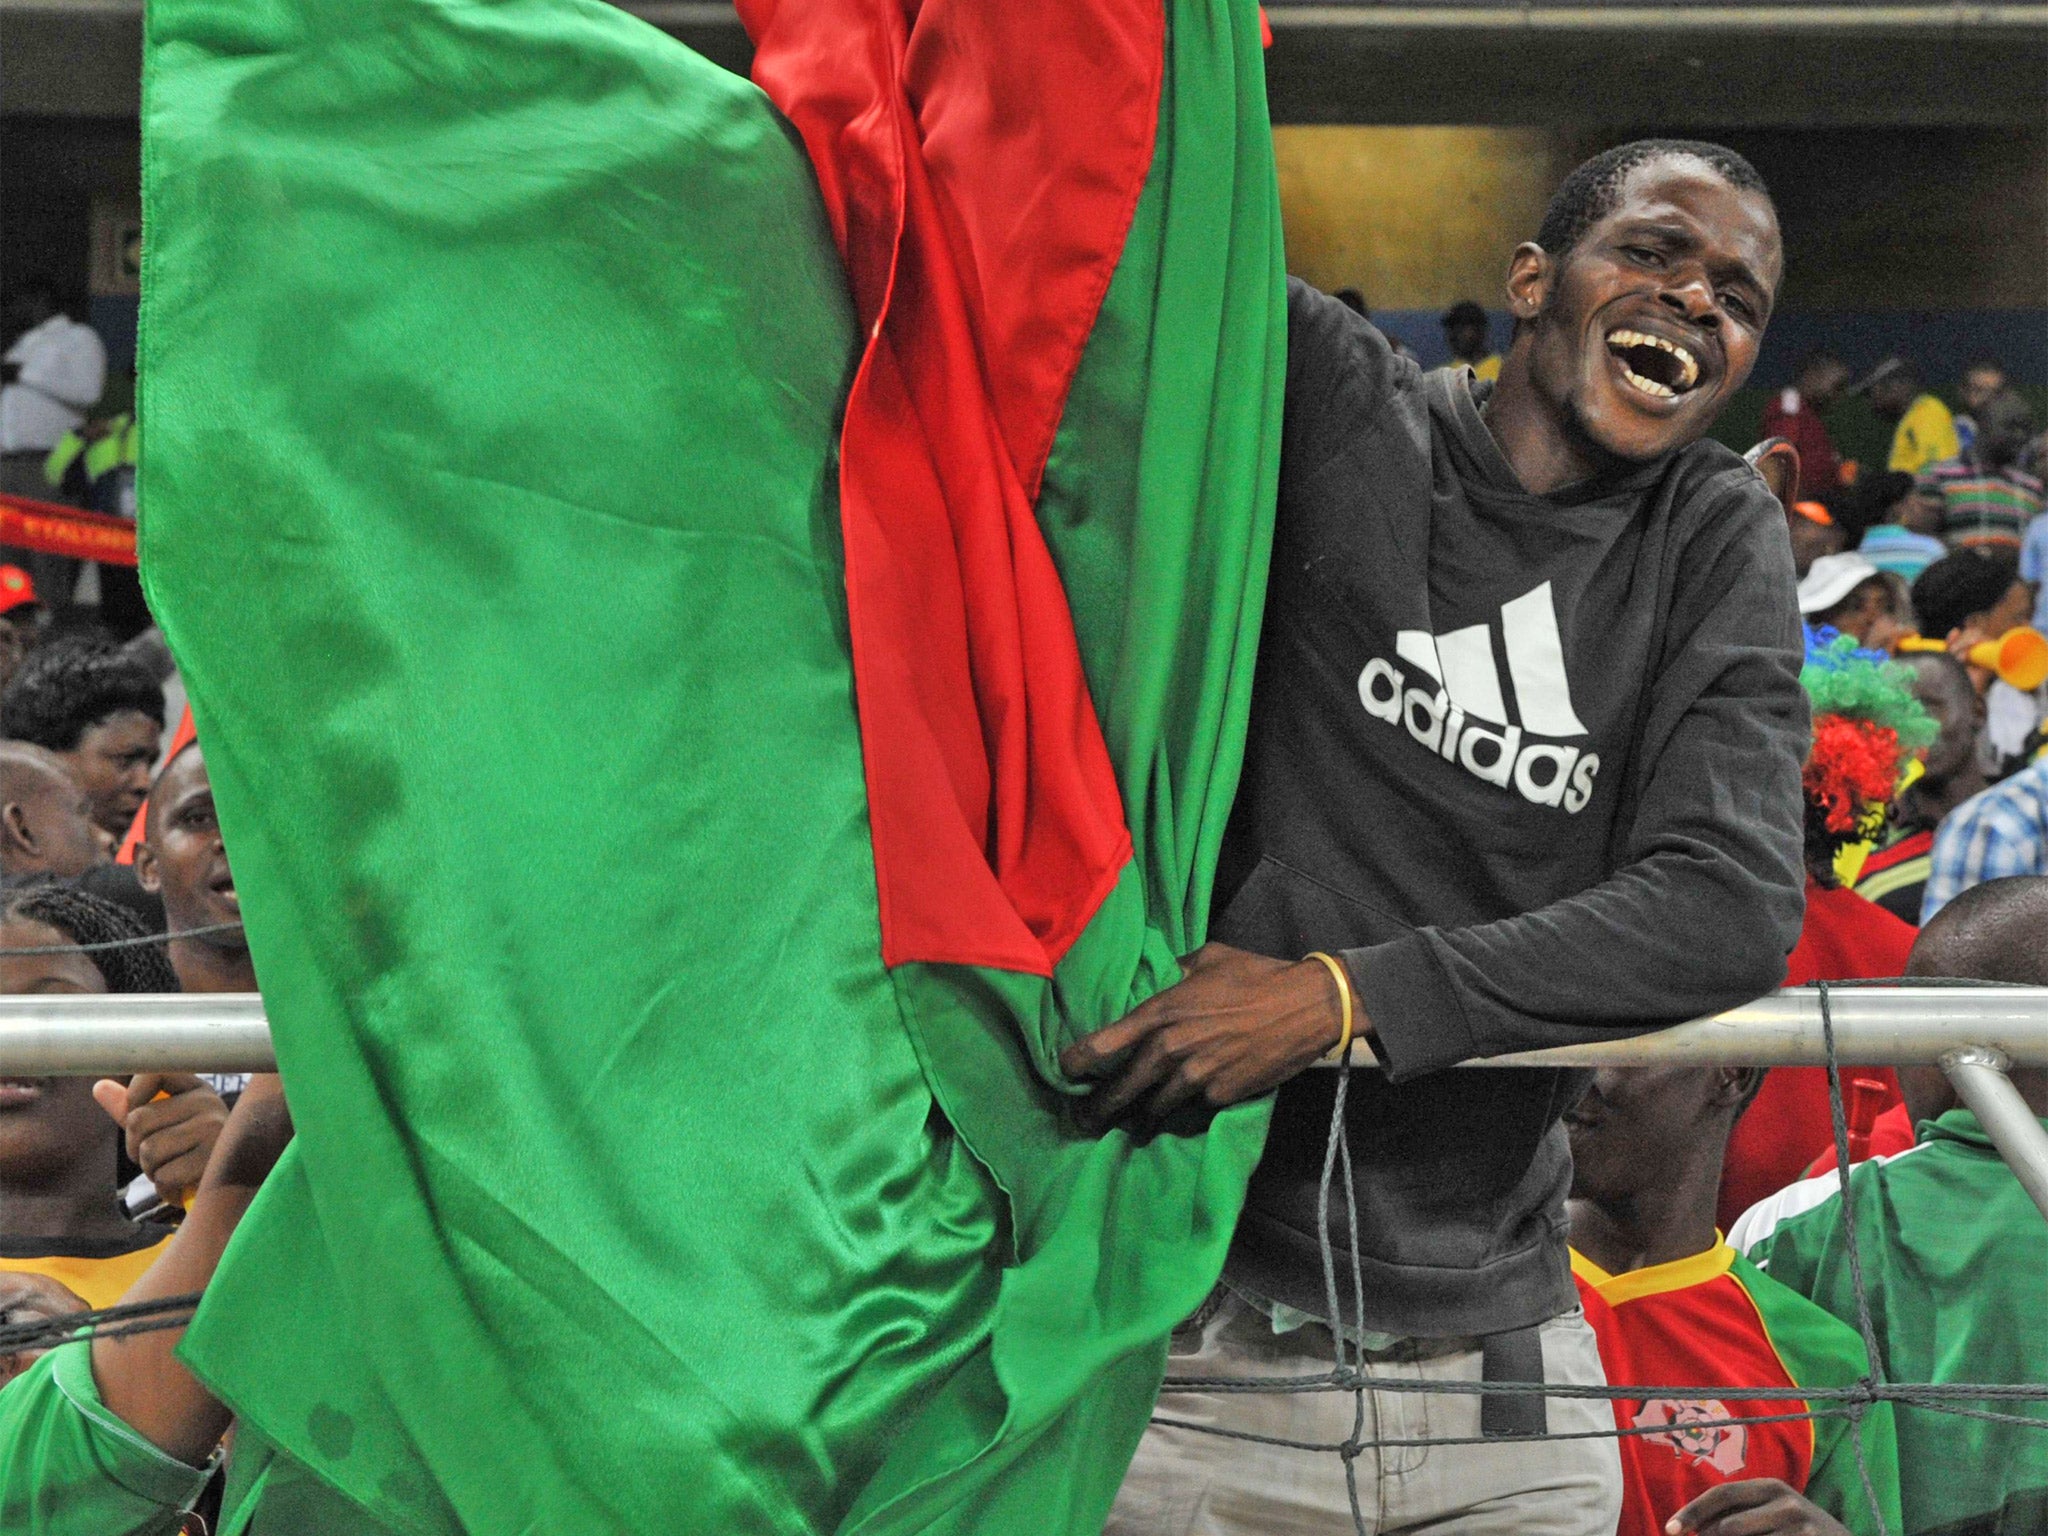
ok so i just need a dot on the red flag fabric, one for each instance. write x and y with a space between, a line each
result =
980 218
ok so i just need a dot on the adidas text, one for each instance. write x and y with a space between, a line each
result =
1540 771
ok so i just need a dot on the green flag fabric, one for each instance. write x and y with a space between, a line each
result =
492 356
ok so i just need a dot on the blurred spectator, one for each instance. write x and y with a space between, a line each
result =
59 1213
1795 416
1866 723
1952 1251
1985 500
1898 526
1895 877
1980 381
1814 533
1353 300
51 375
94 465
1671 1302
46 825
1465 332
1848 594
1924 432
1970 596
20 614
101 710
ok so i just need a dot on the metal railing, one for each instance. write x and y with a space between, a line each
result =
1975 1035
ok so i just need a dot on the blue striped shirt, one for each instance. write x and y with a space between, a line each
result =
2001 832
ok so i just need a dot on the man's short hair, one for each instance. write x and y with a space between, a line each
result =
67 687
1589 194
1949 591
1996 931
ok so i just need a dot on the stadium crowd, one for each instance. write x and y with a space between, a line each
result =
1706 1210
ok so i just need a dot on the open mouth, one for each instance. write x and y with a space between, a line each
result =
18 1091
223 885
1661 369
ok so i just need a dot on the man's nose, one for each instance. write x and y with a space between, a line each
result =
1693 297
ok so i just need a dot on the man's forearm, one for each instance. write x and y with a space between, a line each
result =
140 1378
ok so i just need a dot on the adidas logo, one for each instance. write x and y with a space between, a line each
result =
1458 712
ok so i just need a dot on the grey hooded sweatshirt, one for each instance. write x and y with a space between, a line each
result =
1530 765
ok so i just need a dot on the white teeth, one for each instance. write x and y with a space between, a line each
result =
1690 367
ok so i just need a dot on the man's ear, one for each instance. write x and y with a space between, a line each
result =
146 873
1737 1085
14 827
1530 273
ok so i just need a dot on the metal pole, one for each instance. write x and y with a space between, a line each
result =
1978 1076
99 1034
1874 1026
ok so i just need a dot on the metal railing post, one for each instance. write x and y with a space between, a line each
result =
1979 1078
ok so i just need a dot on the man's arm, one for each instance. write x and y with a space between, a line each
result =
1700 915
140 1378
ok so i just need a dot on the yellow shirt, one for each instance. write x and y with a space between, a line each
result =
101 1281
1487 367
1926 435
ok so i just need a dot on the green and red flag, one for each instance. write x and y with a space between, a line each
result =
723 639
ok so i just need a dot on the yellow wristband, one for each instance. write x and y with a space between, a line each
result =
1342 1048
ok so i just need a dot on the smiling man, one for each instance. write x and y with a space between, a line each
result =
1523 769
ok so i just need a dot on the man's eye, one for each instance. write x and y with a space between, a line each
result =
1736 303
1644 255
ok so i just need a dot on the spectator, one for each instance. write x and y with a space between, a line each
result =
1795 416
1815 534
182 859
46 825
59 1213
1465 332
95 467
115 1434
1985 500
1866 725
1996 834
98 708
1671 1302
1972 596
1490 886
1923 431
49 378
1895 877
1952 1250
1980 381
1898 526
1848 594
20 615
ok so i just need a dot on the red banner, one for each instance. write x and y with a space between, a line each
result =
53 530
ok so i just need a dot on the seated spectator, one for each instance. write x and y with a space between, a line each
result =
99 709
1984 499
1848 594
60 1215
46 825
114 1434
1923 430
1465 333
1952 1252
1795 415
1866 726
1679 1305
1898 526
1895 877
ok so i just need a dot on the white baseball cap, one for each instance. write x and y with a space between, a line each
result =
1832 578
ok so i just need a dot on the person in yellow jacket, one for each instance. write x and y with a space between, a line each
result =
1924 430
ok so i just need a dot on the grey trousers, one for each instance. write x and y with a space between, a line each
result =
1187 1483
